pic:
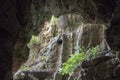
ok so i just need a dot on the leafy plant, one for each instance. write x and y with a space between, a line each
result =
34 40
44 57
93 52
72 62
75 59
25 68
54 20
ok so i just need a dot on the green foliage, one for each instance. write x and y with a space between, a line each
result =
26 68
34 40
75 59
54 20
72 62
44 57
93 52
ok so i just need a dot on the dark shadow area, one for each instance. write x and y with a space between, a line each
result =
13 15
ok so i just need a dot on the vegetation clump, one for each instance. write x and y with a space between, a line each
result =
54 20
26 68
69 66
34 40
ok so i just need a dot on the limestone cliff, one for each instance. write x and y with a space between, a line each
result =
62 26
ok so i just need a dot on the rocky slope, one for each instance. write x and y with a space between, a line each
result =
64 26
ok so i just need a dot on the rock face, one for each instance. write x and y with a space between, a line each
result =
78 23
34 75
114 41
57 43
65 26
100 68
